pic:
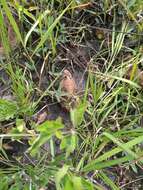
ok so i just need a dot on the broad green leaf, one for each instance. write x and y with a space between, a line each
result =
77 114
39 141
50 127
4 182
68 184
60 175
47 130
20 125
77 183
69 143
8 109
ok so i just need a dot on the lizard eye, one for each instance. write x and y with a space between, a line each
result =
64 76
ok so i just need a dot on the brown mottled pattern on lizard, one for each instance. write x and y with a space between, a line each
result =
68 84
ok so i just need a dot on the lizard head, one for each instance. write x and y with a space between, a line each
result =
67 74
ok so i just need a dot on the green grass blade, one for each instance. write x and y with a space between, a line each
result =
11 20
108 154
3 36
130 13
108 181
35 25
50 29
120 79
102 165
130 152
